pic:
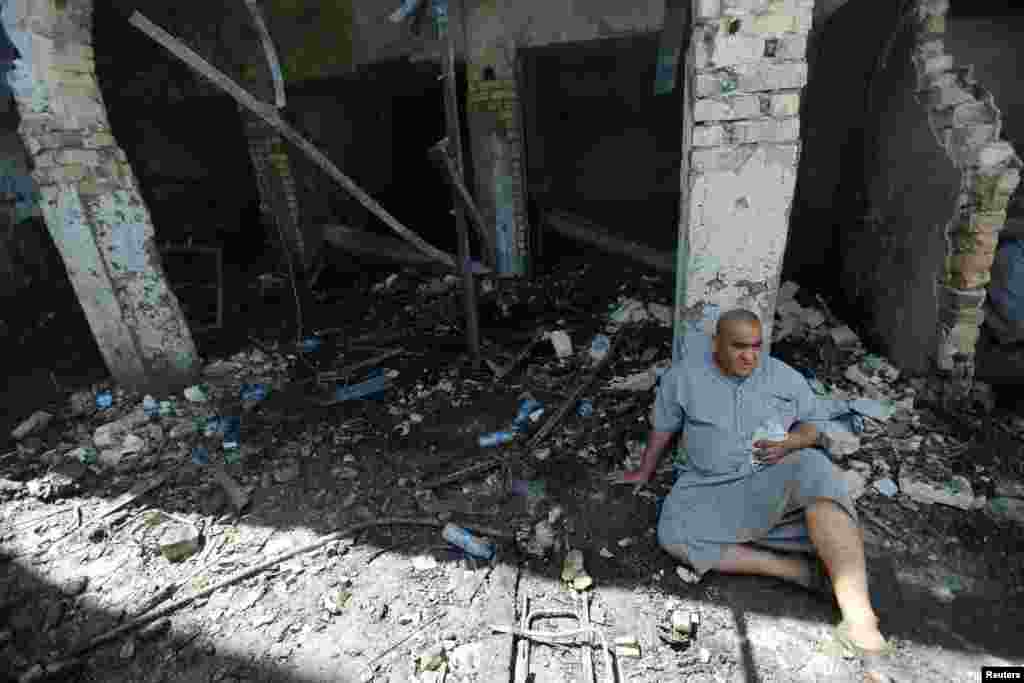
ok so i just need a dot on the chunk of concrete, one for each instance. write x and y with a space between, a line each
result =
956 492
180 542
844 337
35 422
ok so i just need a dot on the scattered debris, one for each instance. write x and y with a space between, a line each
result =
573 572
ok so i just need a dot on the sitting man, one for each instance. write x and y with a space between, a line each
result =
742 500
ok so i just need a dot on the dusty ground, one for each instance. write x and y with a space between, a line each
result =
947 582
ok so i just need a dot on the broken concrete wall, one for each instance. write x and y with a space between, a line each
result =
903 185
893 255
992 46
747 73
89 197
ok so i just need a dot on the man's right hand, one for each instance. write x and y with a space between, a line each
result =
636 477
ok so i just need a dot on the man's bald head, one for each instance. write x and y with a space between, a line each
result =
738 342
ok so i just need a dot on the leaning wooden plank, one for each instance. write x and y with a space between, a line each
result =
269 114
440 154
582 230
268 47
373 246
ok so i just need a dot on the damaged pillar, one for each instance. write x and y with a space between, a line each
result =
272 167
745 67
967 124
279 201
495 135
90 199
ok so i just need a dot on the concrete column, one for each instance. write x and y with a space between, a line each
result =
279 199
746 67
495 134
90 199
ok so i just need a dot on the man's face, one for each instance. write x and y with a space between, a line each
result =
738 348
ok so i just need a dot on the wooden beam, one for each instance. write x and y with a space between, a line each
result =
268 48
368 244
582 230
269 114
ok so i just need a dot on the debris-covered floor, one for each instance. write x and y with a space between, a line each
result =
122 512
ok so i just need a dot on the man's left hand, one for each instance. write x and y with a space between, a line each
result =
771 452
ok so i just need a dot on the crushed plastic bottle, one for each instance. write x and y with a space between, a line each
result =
310 344
150 406
232 431
585 408
496 438
472 545
253 392
599 347
200 455
104 400
528 407
166 408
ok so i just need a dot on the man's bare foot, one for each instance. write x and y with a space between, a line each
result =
866 636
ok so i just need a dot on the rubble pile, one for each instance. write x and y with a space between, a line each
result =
128 502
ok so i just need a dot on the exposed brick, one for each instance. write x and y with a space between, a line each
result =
713 159
792 46
86 157
727 109
766 130
709 9
992 155
772 24
785 104
709 136
945 97
968 113
763 76
101 139
736 49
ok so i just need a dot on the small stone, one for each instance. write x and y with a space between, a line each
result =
626 542
74 587
857 376
336 601
179 542
196 394
704 655
431 660
287 473
605 553
887 487
1011 509
423 563
128 649
686 575
955 493
840 443
844 337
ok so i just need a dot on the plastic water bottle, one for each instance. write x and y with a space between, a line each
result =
585 409
472 545
599 348
150 406
527 407
496 438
